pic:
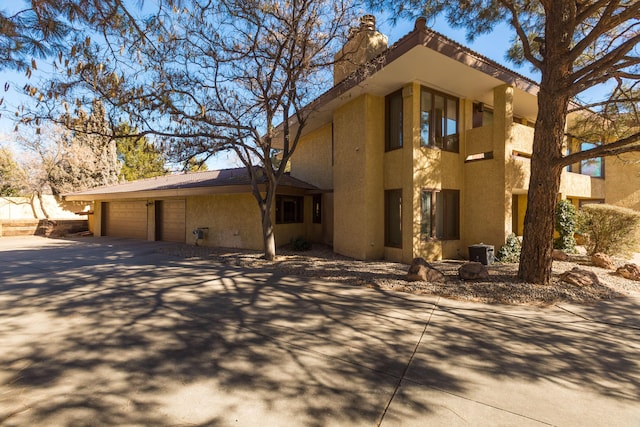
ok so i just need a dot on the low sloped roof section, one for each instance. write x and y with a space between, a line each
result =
224 181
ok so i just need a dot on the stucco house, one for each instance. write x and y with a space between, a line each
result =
419 149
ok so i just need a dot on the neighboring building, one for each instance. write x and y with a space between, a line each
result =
420 149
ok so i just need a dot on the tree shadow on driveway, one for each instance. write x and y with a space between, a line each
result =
114 332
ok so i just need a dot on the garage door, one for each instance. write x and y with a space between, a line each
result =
125 219
170 220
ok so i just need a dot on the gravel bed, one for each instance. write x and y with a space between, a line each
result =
502 286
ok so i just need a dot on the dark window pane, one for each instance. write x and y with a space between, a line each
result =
393 218
448 215
317 209
426 208
289 209
394 120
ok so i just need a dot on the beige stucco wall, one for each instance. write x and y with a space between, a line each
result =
522 138
233 220
311 162
479 140
581 186
489 184
623 180
358 178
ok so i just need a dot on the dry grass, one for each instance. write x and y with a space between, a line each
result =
502 286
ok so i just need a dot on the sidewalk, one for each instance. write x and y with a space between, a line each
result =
104 331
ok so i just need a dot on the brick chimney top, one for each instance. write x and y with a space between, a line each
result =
363 44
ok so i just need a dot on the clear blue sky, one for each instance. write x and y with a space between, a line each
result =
493 45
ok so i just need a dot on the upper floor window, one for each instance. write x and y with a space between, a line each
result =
393 122
592 167
439 120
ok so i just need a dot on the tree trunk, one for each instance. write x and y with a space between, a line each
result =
44 211
537 247
268 235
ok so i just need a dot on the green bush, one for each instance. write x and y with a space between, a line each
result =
300 244
510 251
609 229
566 226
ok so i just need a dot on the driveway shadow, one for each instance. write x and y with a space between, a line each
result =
114 332
117 332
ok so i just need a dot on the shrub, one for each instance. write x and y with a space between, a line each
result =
566 226
609 229
300 244
510 251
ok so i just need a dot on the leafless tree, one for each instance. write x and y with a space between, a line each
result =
214 76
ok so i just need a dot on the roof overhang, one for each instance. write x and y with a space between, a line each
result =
435 61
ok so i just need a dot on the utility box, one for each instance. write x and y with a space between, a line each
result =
481 253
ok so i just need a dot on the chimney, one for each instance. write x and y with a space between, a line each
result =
363 44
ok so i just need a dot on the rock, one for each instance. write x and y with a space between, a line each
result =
629 271
559 255
473 271
579 277
421 271
603 261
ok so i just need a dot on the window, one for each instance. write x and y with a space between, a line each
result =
591 167
393 218
393 122
439 120
440 214
317 209
289 209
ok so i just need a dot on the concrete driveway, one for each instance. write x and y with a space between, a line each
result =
101 331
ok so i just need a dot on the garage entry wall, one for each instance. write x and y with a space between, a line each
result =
170 217
124 219
233 220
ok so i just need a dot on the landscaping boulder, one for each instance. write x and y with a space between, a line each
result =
629 271
603 261
559 255
421 271
579 277
473 271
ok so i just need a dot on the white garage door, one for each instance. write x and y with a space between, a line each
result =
125 219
